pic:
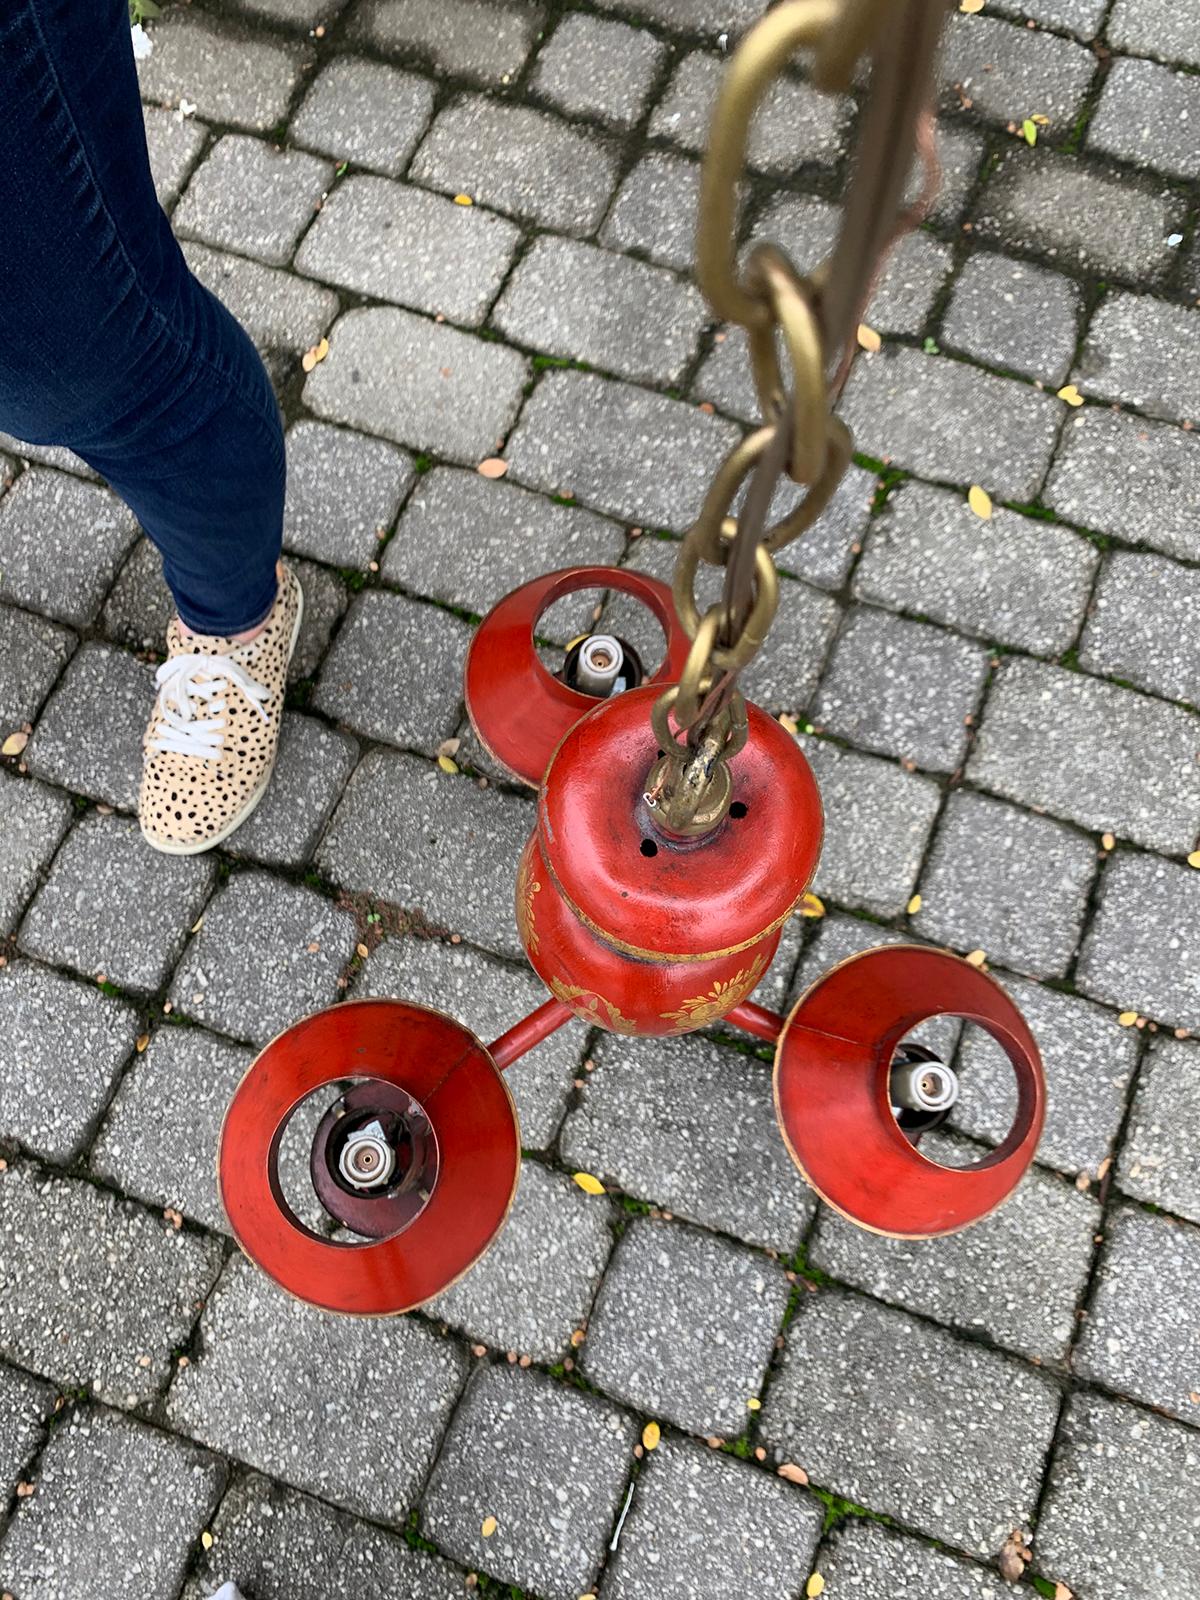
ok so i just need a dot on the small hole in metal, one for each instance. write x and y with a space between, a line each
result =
649 848
738 809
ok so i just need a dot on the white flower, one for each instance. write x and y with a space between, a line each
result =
143 44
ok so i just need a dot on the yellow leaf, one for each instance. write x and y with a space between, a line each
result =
447 765
914 905
868 338
318 353
1109 842
463 200
788 722
206 1539
651 1434
815 1586
14 744
1127 1019
979 501
970 6
812 905
1070 394
493 467
143 1039
488 1527
361 951
1040 117
1029 131
793 1473
1194 859
588 1184
754 1404
976 958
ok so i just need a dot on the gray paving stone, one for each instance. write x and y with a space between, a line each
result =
1148 115
834 940
35 819
1143 947
1146 750
536 1284
283 1386
795 125
398 243
1012 314
593 68
574 300
61 542
607 444
704 1527
1088 1061
901 688
984 1279
100 1292
468 38
690 1126
365 112
824 554
1135 479
1144 353
395 671
33 652
515 159
1160 1158
946 420
868 1559
311 771
1141 1336
1120 1516
1155 28
173 146
48 455
1004 881
468 541
915 271
1012 579
294 13
692 17
251 197
960 152
117 1510
419 383
1010 73
277 309
25 1405
1144 625
654 213
65 1045
343 492
783 677
80 917
548 1463
489 998
326 598
259 925
877 820
139 607
280 1545
684 1326
227 74
930 1450
159 1139
452 852
89 737
1079 216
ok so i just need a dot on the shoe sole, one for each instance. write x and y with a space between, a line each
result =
167 847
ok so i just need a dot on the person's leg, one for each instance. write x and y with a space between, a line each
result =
108 344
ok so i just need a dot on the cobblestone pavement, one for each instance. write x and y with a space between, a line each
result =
1002 717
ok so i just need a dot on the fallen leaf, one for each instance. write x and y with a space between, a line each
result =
754 1403
493 467
1061 1592
651 1434
1070 394
1109 842
14 744
1127 1019
970 6
976 958
1040 117
914 905
1012 1557
463 200
979 501
312 948
812 905
318 353
788 722
1029 131
24 1490
488 1527
206 1539
361 951
1194 859
140 1043
793 1473
588 1184
449 747
815 1586
868 338
577 1338
447 765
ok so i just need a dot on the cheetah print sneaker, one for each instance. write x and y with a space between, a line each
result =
210 747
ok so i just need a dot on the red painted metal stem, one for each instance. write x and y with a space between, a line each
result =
756 1019
530 1031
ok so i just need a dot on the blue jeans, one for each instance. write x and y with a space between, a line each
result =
108 344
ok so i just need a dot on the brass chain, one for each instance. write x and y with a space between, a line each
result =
813 317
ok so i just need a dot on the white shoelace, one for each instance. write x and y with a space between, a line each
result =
182 698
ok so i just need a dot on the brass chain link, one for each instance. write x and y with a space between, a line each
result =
813 317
